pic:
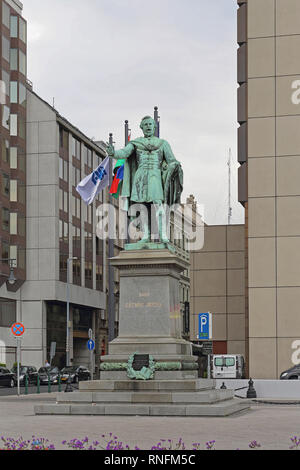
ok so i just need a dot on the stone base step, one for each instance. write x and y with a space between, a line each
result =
210 396
225 408
193 385
158 375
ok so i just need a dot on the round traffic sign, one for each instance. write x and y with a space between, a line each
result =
18 329
91 345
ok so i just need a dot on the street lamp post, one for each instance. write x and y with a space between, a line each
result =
68 312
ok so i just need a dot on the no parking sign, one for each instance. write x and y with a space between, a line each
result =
18 329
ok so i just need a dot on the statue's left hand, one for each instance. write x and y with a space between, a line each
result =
110 150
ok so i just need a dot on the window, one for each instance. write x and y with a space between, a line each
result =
76 234
98 277
5 186
5 78
22 32
13 92
7 312
14 124
5 48
66 170
13 250
76 148
88 242
13 156
219 361
89 158
63 200
61 233
229 361
77 272
66 201
5 151
84 154
13 190
66 232
5 15
88 274
60 168
5 219
22 63
99 247
14 59
13 26
5 117
63 138
13 222
22 95
5 251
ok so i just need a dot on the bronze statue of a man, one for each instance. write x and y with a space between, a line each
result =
152 175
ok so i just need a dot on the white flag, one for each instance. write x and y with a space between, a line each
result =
91 185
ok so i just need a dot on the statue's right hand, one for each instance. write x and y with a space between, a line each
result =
110 150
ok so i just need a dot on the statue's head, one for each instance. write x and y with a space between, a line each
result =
148 126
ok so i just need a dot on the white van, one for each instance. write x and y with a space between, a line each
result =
226 366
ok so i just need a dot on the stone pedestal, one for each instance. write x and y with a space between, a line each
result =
149 324
149 318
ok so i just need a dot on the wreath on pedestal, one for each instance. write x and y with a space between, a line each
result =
146 373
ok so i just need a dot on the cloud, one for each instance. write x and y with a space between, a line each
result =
105 61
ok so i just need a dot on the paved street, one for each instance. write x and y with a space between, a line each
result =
272 426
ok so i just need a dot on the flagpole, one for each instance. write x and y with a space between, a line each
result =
126 132
157 120
126 143
111 284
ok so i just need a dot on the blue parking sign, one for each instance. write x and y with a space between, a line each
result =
205 326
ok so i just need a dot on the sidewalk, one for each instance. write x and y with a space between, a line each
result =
272 426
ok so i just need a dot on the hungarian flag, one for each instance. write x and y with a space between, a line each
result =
116 186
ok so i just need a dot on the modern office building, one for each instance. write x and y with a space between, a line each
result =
217 276
269 179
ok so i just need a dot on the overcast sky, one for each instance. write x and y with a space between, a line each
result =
104 61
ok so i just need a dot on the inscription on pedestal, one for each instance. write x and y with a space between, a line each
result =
140 361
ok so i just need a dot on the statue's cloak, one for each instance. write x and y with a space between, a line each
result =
172 175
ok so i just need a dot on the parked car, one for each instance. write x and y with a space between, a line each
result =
52 372
31 372
7 378
77 374
291 374
226 366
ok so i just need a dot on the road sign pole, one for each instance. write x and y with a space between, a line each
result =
18 365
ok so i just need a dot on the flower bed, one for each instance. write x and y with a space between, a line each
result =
111 442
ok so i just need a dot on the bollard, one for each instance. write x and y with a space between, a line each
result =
59 382
49 383
26 384
69 387
223 386
38 390
251 392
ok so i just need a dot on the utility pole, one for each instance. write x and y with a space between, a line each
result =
229 188
111 283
